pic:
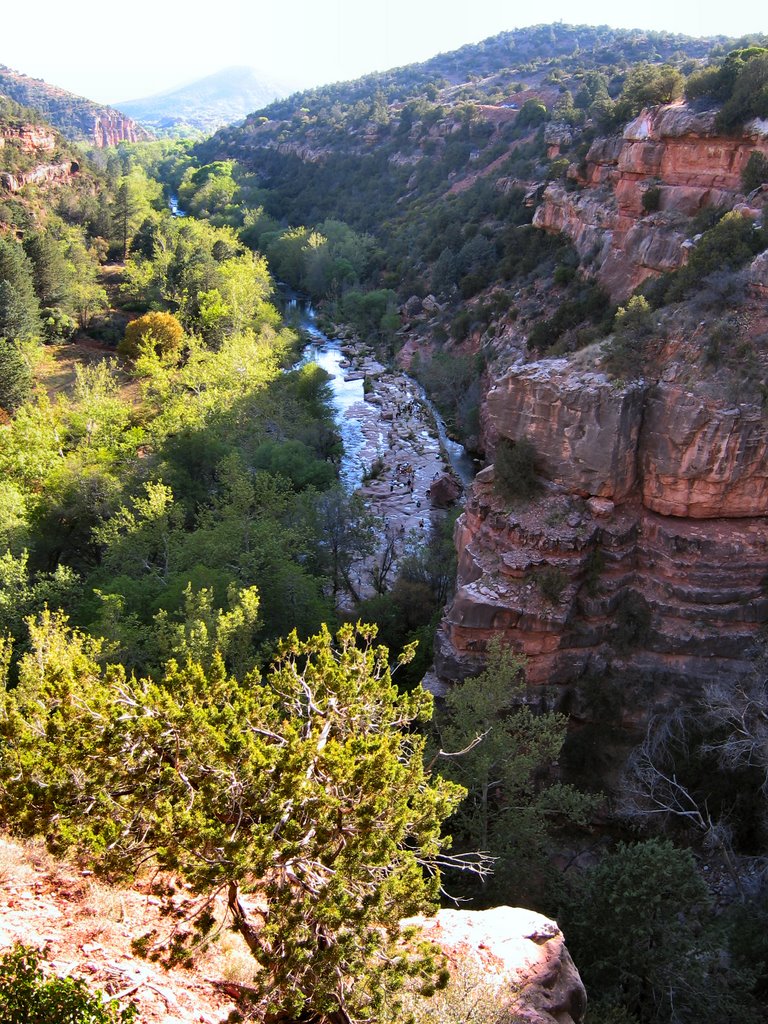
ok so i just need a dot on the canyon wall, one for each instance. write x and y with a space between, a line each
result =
645 558
39 142
671 150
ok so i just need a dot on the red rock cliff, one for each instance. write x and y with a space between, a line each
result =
668 148
644 560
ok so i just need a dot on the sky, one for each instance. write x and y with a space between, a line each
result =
120 51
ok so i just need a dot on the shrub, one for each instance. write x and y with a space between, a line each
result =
651 199
552 581
28 995
755 173
532 113
633 325
515 467
161 332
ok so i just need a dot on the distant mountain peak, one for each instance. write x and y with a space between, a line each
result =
207 103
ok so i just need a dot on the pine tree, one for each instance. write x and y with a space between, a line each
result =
15 376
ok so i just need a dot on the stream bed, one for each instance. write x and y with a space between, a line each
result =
397 453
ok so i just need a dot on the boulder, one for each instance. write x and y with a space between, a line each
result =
444 491
512 958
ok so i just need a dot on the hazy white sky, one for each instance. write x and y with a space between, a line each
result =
125 50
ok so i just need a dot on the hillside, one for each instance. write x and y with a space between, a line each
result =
206 104
77 118
522 191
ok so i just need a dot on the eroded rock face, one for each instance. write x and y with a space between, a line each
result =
43 173
645 558
670 149
110 127
584 429
703 459
30 138
518 955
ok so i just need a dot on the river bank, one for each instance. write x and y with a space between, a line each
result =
396 452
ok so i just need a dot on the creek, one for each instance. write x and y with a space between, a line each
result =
368 427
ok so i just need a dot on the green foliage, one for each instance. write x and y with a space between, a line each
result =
513 801
30 996
583 304
633 325
515 476
637 931
532 113
651 199
755 172
19 307
159 334
632 622
647 85
453 381
15 376
308 788
728 245
740 84
552 581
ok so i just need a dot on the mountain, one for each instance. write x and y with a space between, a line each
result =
77 118
206 104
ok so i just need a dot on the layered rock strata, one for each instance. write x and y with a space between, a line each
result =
646 555
671 150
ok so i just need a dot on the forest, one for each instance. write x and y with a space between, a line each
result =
192 680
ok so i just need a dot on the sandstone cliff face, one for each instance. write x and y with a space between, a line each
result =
110 127
29 138
646 558
670 149
42 174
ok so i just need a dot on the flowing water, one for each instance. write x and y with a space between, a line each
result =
326 352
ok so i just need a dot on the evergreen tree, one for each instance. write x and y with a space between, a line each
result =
15 374
19 308
307 788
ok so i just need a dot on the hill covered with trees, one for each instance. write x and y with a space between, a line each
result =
76 117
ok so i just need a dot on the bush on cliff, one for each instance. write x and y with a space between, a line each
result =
633 325
755 173
515 468
640 931
514 803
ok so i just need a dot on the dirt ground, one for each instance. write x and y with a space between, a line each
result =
86 929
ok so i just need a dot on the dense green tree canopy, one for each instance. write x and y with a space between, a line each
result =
307 788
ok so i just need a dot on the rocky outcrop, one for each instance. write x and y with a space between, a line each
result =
510 960
645 558
29 138
42 174
671 150
584 429
110 127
